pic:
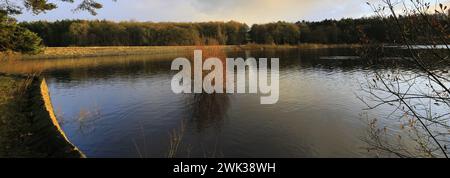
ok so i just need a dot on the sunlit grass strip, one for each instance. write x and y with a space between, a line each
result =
79 52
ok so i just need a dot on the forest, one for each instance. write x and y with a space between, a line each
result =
107 33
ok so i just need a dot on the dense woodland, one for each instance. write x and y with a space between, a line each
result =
107 33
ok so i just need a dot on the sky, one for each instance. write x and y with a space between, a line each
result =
248 11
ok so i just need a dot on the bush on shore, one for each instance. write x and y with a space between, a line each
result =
16 38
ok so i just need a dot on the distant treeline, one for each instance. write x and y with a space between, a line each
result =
107 33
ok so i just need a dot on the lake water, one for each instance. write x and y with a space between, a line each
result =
124 107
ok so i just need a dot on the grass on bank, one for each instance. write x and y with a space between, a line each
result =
78 52
26 128
13 118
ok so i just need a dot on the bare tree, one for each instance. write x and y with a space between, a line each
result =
420 96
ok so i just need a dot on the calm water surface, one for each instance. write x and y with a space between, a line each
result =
127 109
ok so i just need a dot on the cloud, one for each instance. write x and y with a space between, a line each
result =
262 11
249 11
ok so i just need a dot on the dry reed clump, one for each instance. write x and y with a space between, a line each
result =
176 138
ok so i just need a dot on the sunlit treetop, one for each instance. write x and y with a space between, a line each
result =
42 6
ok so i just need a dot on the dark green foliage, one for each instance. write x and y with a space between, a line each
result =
16 38
275 33
375 29
340 31
107 33
19 39
40 6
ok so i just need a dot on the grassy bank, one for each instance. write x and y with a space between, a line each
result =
78 52
300 46
28 126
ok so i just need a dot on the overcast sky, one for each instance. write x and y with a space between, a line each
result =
248 11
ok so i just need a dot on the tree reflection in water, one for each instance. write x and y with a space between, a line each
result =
210 109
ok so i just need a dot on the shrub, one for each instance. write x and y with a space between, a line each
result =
16 38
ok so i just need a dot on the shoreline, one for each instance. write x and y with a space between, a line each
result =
30 126
67 147
105 51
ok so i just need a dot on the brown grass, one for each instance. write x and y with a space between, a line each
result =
176 138
79 52
300 46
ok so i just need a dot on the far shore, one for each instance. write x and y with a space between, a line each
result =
80 52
